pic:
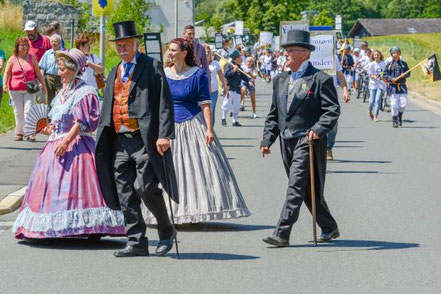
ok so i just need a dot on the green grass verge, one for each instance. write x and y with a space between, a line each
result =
414 49
7 120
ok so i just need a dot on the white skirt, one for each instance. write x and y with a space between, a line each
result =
207 186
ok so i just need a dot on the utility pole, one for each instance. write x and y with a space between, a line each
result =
176 18
103 40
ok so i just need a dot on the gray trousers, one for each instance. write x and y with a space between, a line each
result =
136 181
295 155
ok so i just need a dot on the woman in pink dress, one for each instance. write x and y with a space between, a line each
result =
63 197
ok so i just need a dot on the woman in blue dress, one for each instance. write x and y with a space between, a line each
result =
207 186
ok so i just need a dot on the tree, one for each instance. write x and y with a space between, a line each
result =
135 10
322 19
86 21
216 22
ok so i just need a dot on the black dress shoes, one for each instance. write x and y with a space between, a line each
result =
326 237
165 245
236 124
224 122
276 241
130 251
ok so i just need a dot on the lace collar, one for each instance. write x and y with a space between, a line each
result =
180 76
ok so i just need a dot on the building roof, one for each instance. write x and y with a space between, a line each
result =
396 26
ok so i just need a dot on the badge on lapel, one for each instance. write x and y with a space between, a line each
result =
304 86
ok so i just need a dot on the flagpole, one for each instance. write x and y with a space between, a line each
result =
239 69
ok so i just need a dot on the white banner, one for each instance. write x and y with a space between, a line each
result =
238 28
286 26
323 57
276 43
266 38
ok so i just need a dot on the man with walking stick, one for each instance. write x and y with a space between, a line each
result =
134 133
304 108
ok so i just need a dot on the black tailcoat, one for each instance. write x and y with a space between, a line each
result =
314 108
150 102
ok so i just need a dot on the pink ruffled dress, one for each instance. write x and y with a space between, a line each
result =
63 196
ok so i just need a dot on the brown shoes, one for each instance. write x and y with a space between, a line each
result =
329 155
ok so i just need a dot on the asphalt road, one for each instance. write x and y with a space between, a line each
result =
383 189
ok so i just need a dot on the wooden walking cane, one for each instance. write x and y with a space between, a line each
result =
313 208
233 64
170 203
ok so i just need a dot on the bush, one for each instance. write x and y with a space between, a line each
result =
135 10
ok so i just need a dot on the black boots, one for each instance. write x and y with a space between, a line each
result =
395 121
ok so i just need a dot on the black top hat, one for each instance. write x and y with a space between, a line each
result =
298 38
125 30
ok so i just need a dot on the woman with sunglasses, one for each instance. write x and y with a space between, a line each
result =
21 68
206 183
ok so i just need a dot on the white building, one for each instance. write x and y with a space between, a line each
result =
163 12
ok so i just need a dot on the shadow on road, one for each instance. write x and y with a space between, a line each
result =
78 244
418 127
358 161
216 256
237 139
221 227
360 172
252 126
353 245
343 141
234 146
19 148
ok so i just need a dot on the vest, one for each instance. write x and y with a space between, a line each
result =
121 104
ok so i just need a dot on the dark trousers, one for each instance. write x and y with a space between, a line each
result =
136 181
53 85
295 155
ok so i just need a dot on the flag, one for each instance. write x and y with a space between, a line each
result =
102 7
431 68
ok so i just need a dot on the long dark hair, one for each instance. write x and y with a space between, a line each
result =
184 45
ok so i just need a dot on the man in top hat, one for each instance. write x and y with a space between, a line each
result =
134 133
304 108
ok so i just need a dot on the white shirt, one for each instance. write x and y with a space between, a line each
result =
89 74
246 69
376 68
214 68
122 67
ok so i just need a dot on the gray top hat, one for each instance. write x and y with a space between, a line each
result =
298 38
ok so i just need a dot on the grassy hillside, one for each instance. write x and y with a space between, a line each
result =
414 49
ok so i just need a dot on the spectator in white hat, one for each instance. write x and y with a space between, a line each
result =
38 44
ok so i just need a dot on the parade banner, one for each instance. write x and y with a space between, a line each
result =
266 39
238 28
323 57
153 45
102 7
238 41
276 43
218 39
286 26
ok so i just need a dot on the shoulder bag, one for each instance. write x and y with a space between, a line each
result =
31 86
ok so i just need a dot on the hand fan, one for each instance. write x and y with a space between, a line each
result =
36 119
